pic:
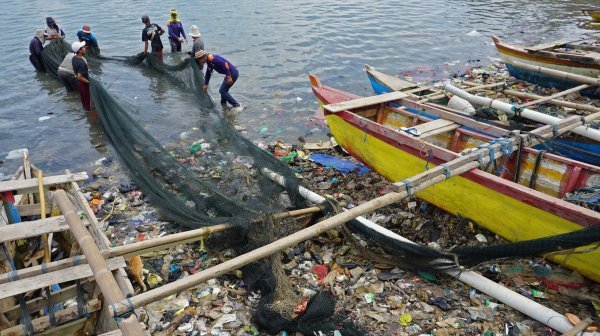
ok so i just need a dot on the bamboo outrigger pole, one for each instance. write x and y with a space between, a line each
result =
420 182
104 277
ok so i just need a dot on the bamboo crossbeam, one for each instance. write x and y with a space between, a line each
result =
556 95
104 277
580 107
471 89
297 212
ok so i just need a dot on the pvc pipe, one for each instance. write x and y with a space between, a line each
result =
545 315
525 113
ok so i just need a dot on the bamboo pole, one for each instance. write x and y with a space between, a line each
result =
419 182
104 278
471 89
42 196
581 107
299 212
556 95
558 73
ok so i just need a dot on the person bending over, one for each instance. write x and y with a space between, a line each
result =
221 65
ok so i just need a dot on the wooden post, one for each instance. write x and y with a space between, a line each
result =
556 95
104 278
581 107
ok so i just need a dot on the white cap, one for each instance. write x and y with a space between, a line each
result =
75 46
199 53
194 31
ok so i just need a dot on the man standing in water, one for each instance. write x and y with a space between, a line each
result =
176 33
80 69
53 31
152 33
35 50
86 35
198 44
224 67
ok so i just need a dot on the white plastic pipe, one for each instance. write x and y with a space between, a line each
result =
525 113
545 315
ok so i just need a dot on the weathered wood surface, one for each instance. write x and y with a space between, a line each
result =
30 185
34 228
364 102
60 276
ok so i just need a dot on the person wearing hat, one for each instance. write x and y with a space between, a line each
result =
35 50
176 33
66 73
86 35
53 31
221 65
80 69
198 43
152 33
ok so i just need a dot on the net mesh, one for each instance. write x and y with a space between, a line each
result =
225 187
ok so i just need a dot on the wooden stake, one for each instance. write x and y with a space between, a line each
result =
104 278
579 327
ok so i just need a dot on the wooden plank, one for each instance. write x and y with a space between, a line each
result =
48 279
433 125
548 45
27 171
364 102
33 229
395 83
39 303
556 95
443 129
30 185
43 323
32 209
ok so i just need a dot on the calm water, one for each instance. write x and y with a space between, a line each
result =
275 44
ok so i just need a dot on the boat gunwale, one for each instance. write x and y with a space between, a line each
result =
554 205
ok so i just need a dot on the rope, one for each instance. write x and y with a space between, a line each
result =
429 157
51 312
130 310
409 187
555 130
81 307
447 171
536 167
25 316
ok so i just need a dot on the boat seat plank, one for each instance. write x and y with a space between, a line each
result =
364 102
394 83
31 185
34 228
549 45
430 128
60 276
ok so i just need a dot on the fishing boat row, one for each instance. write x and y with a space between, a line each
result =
518 196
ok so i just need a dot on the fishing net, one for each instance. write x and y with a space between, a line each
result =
224 186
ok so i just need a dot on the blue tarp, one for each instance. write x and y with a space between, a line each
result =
341 165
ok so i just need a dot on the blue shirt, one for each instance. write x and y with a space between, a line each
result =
89 38
175 30
218 63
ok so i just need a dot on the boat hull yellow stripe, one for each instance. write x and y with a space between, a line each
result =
510 218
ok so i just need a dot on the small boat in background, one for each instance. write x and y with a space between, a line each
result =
593 13
519 199
569 145
576 57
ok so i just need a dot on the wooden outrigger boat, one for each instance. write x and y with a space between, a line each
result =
571 57
593 13
575 147
518 199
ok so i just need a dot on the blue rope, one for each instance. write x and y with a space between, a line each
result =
409 187
429 156
446 171
555 130
480 159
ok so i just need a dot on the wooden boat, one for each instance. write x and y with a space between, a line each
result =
574 147
394 136
571 57
29 281
593 13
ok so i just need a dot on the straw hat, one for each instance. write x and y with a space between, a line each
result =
194 31
199 53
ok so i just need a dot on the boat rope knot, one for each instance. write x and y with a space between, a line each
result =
409 187
582 120
517 110
555 130
447 171
130 310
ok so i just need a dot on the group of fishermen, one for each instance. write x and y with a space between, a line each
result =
73 70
